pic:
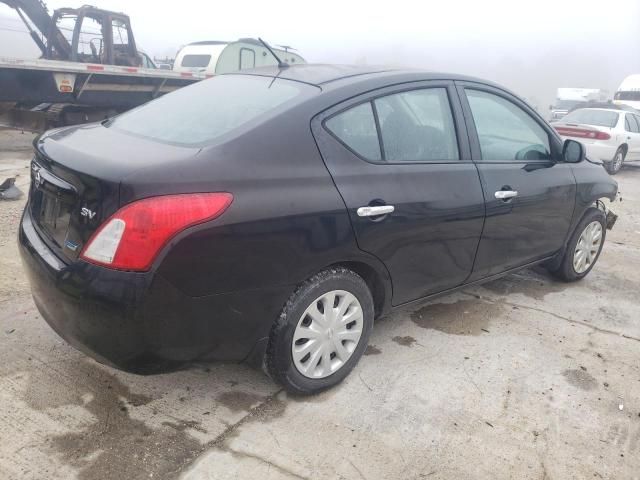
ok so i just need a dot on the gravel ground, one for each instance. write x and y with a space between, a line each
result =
522 378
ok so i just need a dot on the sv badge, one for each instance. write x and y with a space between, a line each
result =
85 212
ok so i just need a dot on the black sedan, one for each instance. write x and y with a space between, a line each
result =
270 216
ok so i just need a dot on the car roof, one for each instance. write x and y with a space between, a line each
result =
324 74
612 108
603 109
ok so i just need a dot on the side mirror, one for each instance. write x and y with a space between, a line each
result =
572 151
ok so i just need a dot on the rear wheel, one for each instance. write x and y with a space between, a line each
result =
321 333
584 247
616 162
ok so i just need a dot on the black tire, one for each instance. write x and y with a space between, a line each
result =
616 162
279 362
566 270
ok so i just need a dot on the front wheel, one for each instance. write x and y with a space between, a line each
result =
584 247
616 162
321 333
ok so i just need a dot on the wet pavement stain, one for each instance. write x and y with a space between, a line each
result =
238 401
464 317
372 350
581 379
114 445
270 410
535 283
183 425
405 341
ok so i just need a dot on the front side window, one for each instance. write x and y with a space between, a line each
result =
417 126
356 128
199 114
90 41
506 132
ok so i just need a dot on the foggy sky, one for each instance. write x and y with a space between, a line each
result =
531 47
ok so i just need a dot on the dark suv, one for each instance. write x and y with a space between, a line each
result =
270 216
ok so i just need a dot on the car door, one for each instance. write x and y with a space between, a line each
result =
632 131
529 192
401 162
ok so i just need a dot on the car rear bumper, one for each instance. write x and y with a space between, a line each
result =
595 149
600 151
140 322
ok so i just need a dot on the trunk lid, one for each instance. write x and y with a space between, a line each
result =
75 180
583 132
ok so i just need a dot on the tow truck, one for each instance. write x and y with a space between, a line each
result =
90 69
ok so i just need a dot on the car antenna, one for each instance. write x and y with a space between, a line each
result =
281 64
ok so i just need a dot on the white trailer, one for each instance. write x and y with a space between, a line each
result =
214 57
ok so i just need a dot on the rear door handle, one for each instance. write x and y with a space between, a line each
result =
505 194
373 211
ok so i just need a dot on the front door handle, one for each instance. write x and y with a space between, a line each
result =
373 211
505 194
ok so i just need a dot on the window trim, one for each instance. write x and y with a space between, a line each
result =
448 86
376 119
555 142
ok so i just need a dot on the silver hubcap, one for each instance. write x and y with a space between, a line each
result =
587 247
617 161
327 334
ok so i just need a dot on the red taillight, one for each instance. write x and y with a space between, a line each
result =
582 133
132 237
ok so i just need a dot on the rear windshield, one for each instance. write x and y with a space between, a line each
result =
600 118
199 114
567 104
195 60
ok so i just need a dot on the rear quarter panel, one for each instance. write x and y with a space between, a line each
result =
287 220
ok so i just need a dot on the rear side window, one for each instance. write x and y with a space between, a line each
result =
195 61
505 131
356 128
633 123
414 126
627 122
417 126
199 114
